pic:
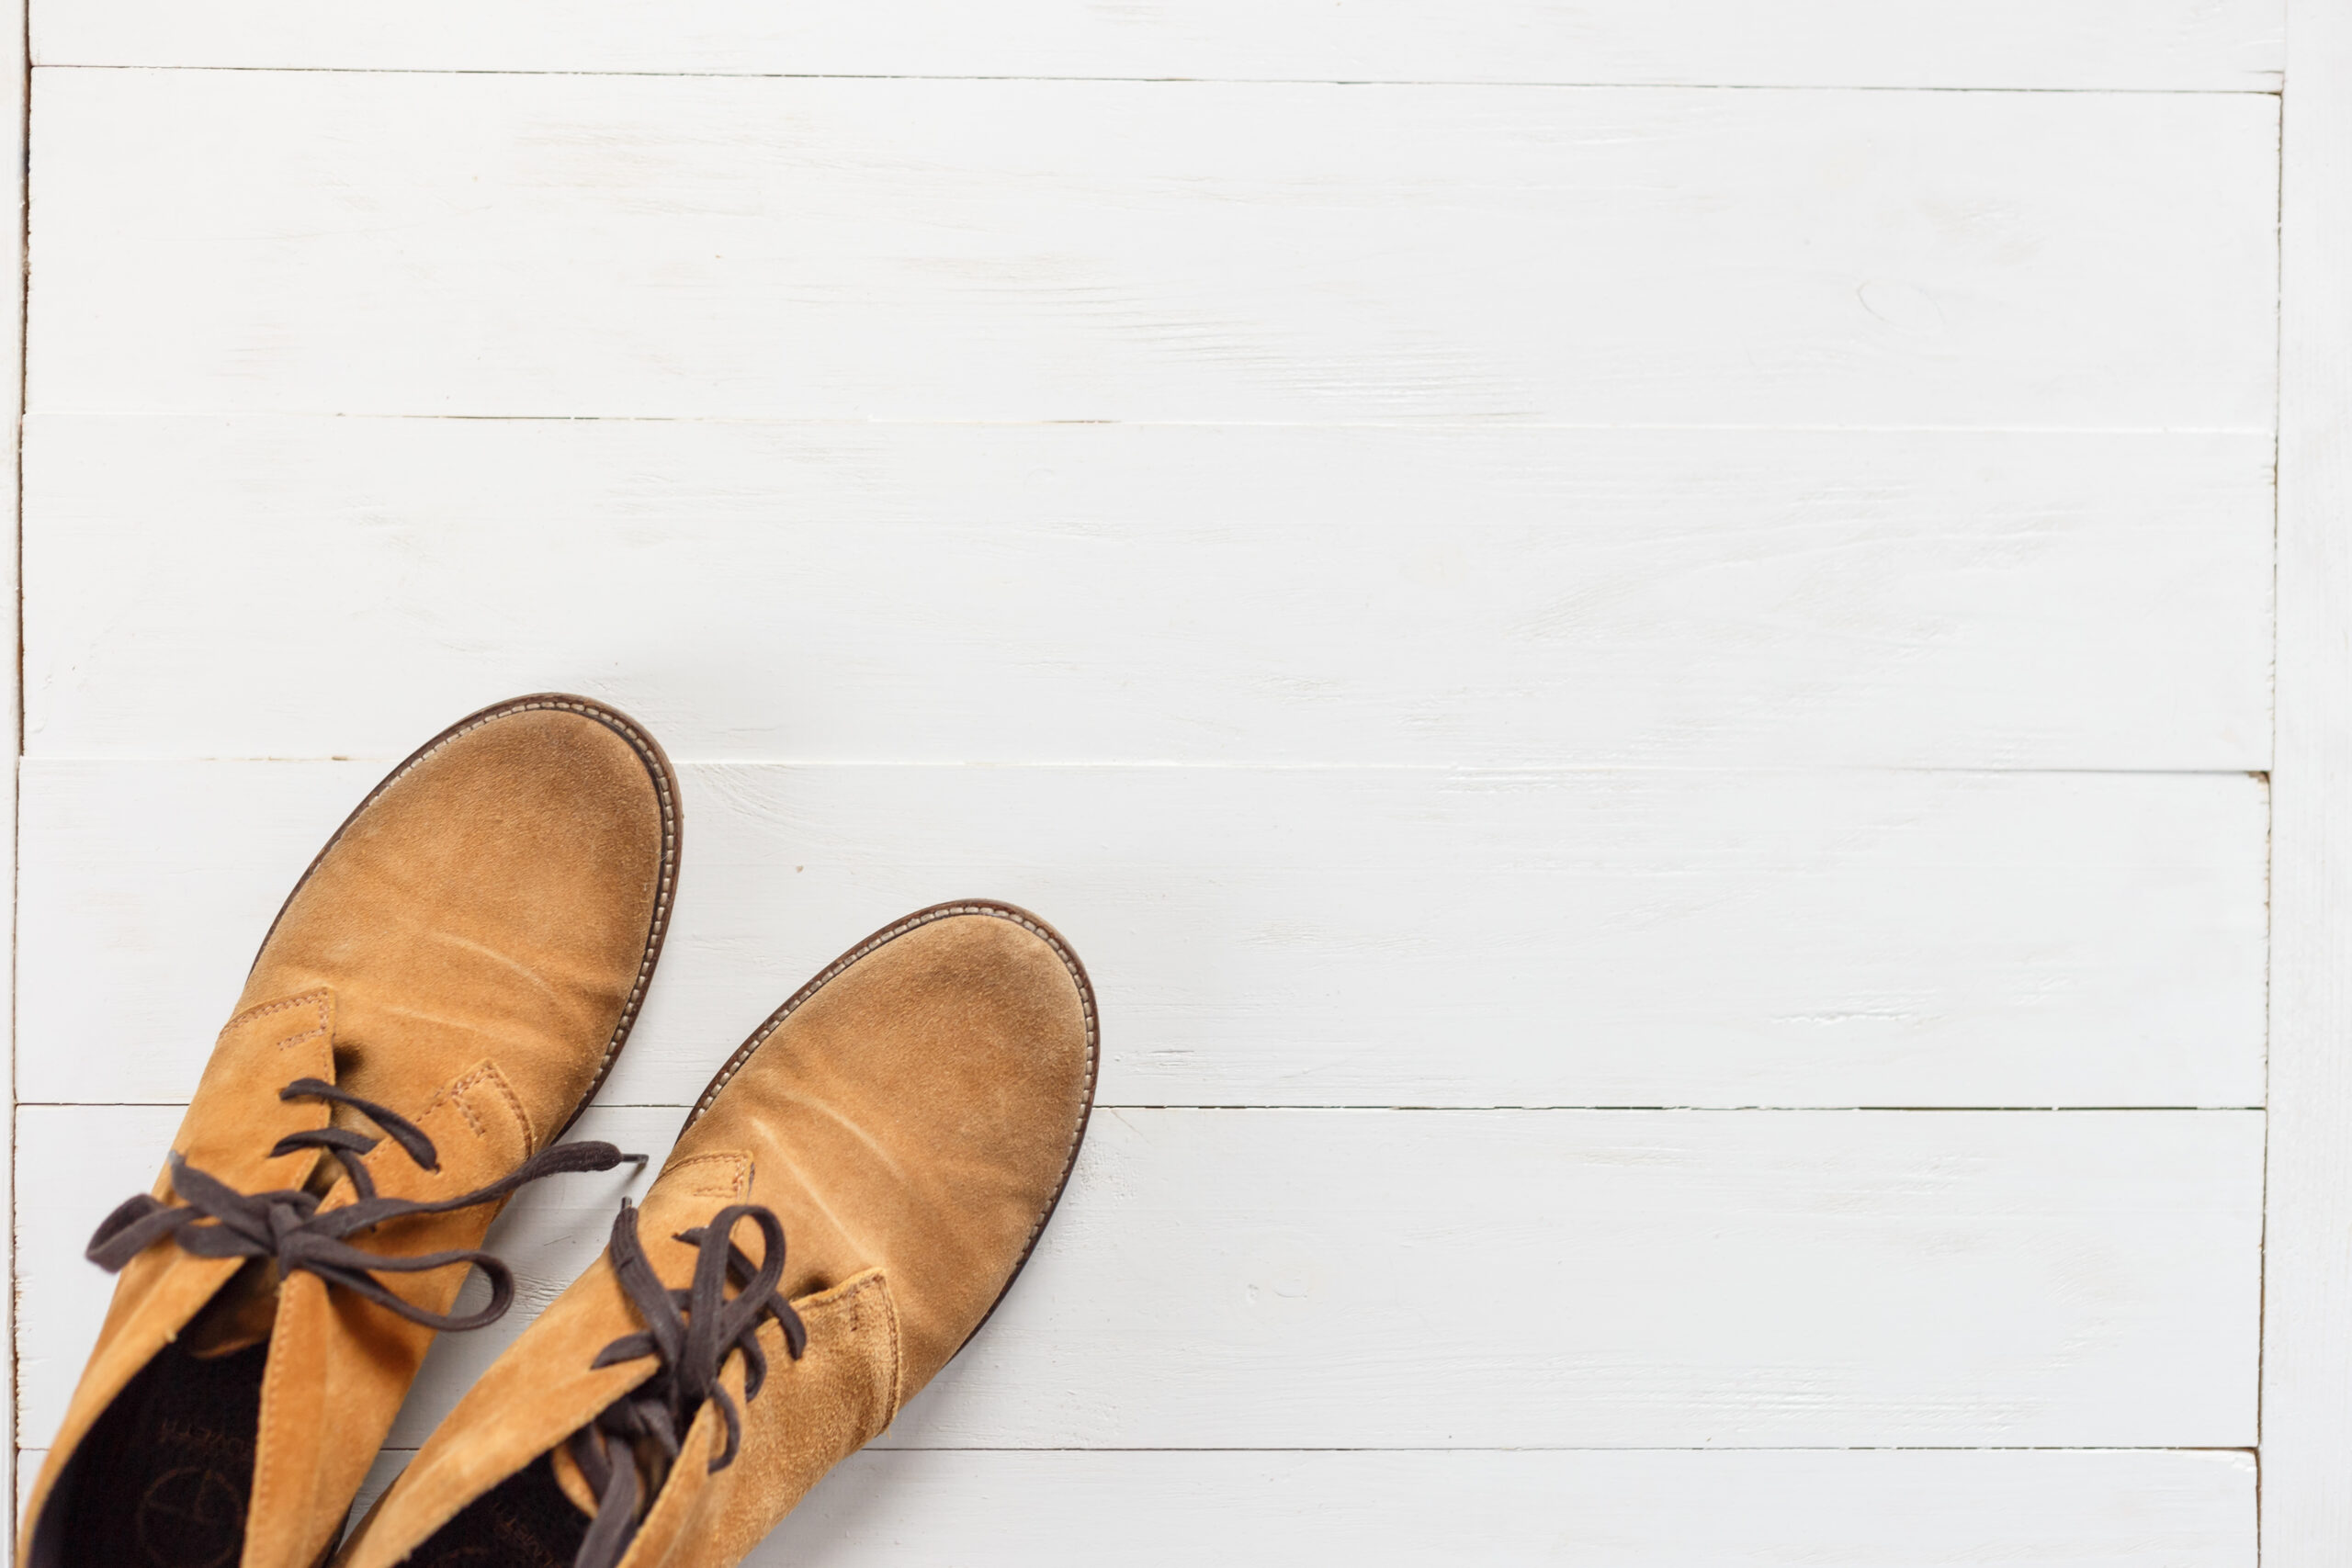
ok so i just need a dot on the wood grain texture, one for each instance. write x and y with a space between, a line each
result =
1737 1508
1705 1279
2177 44
2307 1372
1106 594
486 244
1312 936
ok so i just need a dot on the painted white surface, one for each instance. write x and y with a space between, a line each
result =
1737 1508
14 74
1013 250
1116 593
1730 1509
2179 44
1493 1279
1601 595
2307 1369
1319 936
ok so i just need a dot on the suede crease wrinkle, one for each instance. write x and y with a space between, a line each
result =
450 979
884 1150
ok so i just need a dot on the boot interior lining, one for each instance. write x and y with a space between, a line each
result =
163 1479
525 1522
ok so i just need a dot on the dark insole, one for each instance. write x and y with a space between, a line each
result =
163 1479
524 1521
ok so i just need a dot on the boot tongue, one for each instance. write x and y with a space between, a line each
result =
340 1363
573 1485
242 1315
547 1386
544 1388
239 1317
233 1121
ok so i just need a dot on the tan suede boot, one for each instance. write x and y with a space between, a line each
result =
437 1001
908 1122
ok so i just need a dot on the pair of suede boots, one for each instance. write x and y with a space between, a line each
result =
438 1001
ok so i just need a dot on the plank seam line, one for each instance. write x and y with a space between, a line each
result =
24 43
1374 1108
1469 772
1434 424
2269 815
2011 91
2238 1450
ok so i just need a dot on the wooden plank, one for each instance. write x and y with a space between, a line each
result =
14 79
1704 1278
2177 44
1314 936
1601 1510
2307 1368
1753 1508
1013 251
1101 592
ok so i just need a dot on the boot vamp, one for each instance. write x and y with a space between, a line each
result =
917 1114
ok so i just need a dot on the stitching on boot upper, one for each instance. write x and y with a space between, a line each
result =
889 1310
321 999
738 1183
317 996
310 1033
473 1078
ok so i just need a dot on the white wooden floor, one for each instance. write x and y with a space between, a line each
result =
1636 637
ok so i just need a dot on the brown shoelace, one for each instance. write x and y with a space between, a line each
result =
218 1220
692 1332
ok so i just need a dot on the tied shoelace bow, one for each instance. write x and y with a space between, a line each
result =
218 1220
691 1332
